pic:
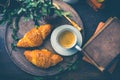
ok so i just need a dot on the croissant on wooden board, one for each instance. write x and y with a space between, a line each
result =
42 58
35 36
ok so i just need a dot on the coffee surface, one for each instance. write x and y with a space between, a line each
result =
66 39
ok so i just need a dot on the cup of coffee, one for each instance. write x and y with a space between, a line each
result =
67 38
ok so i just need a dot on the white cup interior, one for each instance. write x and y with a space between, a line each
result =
73 44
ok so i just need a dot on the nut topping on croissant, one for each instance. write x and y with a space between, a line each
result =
35 36
42 58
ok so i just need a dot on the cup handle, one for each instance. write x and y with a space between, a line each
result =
78 48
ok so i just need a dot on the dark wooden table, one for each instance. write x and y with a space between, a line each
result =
84 71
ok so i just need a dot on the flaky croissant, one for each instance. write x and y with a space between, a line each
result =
42 58
35 36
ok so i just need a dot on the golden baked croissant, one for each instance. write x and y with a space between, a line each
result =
35 36
42 58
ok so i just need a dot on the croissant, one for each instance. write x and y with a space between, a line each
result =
42 58
35 36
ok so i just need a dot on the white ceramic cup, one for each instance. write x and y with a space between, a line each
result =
74 43
72 49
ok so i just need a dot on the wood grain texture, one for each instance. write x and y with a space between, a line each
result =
17 55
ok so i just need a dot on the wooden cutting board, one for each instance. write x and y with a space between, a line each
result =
17 54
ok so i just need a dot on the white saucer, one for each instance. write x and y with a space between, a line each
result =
60 50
